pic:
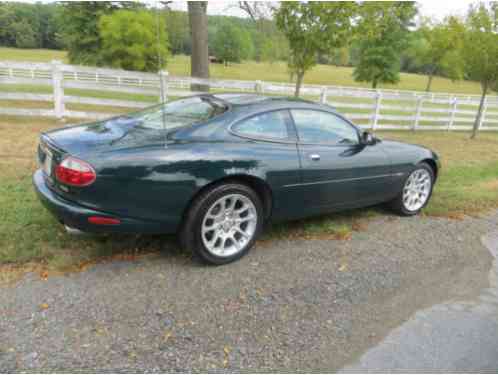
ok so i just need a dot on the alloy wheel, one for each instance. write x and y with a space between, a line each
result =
417 190
229 225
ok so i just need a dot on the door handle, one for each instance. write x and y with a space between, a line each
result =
314 157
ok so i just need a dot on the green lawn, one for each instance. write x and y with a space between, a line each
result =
36 55
468 184
251 70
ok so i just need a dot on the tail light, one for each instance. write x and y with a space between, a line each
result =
75 172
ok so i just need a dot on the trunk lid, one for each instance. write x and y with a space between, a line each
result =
115 133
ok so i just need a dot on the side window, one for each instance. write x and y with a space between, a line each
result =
265 125
322 127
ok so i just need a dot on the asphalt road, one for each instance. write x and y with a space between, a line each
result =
406 294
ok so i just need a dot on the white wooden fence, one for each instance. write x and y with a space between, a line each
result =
70 91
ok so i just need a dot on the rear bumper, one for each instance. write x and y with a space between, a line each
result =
76 216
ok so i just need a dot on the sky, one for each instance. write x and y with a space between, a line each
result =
429 8
437 9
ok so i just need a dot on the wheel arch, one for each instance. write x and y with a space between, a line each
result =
432 163
260 186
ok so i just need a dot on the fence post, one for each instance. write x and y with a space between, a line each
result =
57 78
163 86
452 112
375 118
258 87
483 114
323 95
418 110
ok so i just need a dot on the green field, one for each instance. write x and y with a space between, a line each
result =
250 70
468 184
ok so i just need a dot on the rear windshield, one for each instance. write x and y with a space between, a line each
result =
179 113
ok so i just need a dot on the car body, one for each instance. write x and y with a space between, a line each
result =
151 166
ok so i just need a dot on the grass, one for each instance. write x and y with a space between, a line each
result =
251 70
35 55
468 184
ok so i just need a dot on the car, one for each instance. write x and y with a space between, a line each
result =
216 168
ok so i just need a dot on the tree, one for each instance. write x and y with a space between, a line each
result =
130 41
29 25
439 49
178 31
313 27
232 44
199 59
480 51
24 35
80 32
382 35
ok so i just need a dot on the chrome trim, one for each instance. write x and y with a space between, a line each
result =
340 180
74 231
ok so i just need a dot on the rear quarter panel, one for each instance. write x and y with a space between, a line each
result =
158 183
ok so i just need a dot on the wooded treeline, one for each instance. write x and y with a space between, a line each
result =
75 27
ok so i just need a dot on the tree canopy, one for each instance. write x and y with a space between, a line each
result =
438 49
382 35
232 44
311 28
130 40
30 25
480 50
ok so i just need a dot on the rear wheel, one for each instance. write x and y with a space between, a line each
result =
416 192
223 223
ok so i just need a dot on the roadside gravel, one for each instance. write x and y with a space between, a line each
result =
307 305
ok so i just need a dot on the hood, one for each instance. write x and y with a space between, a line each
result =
115 133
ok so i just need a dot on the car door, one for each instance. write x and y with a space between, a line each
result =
272 146
337 169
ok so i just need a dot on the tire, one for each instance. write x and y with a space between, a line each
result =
222 240
401 204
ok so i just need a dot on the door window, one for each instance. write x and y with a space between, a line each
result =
323 127
265 125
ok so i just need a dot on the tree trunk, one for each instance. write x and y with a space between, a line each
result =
299 82
429 82
199 59
484 86
374 83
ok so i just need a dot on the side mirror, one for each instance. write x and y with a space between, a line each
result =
368 139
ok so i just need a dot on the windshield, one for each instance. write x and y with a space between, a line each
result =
179 113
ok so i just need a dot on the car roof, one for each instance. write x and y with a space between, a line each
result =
246 102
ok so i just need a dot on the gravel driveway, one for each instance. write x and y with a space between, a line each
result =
306 305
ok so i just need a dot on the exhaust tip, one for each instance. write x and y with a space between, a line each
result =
74 231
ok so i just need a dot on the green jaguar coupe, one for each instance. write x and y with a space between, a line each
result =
216 168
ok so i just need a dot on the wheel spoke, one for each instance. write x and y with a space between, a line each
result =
244 219
242 233
235 242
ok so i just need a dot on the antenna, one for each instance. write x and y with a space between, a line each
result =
161 81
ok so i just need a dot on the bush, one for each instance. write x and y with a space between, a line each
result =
130 41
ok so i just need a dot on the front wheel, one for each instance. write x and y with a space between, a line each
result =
416 192
223 223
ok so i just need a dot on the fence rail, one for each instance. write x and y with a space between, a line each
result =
77 92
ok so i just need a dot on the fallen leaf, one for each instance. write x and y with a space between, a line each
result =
343 267
167 335
44 275
44 306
